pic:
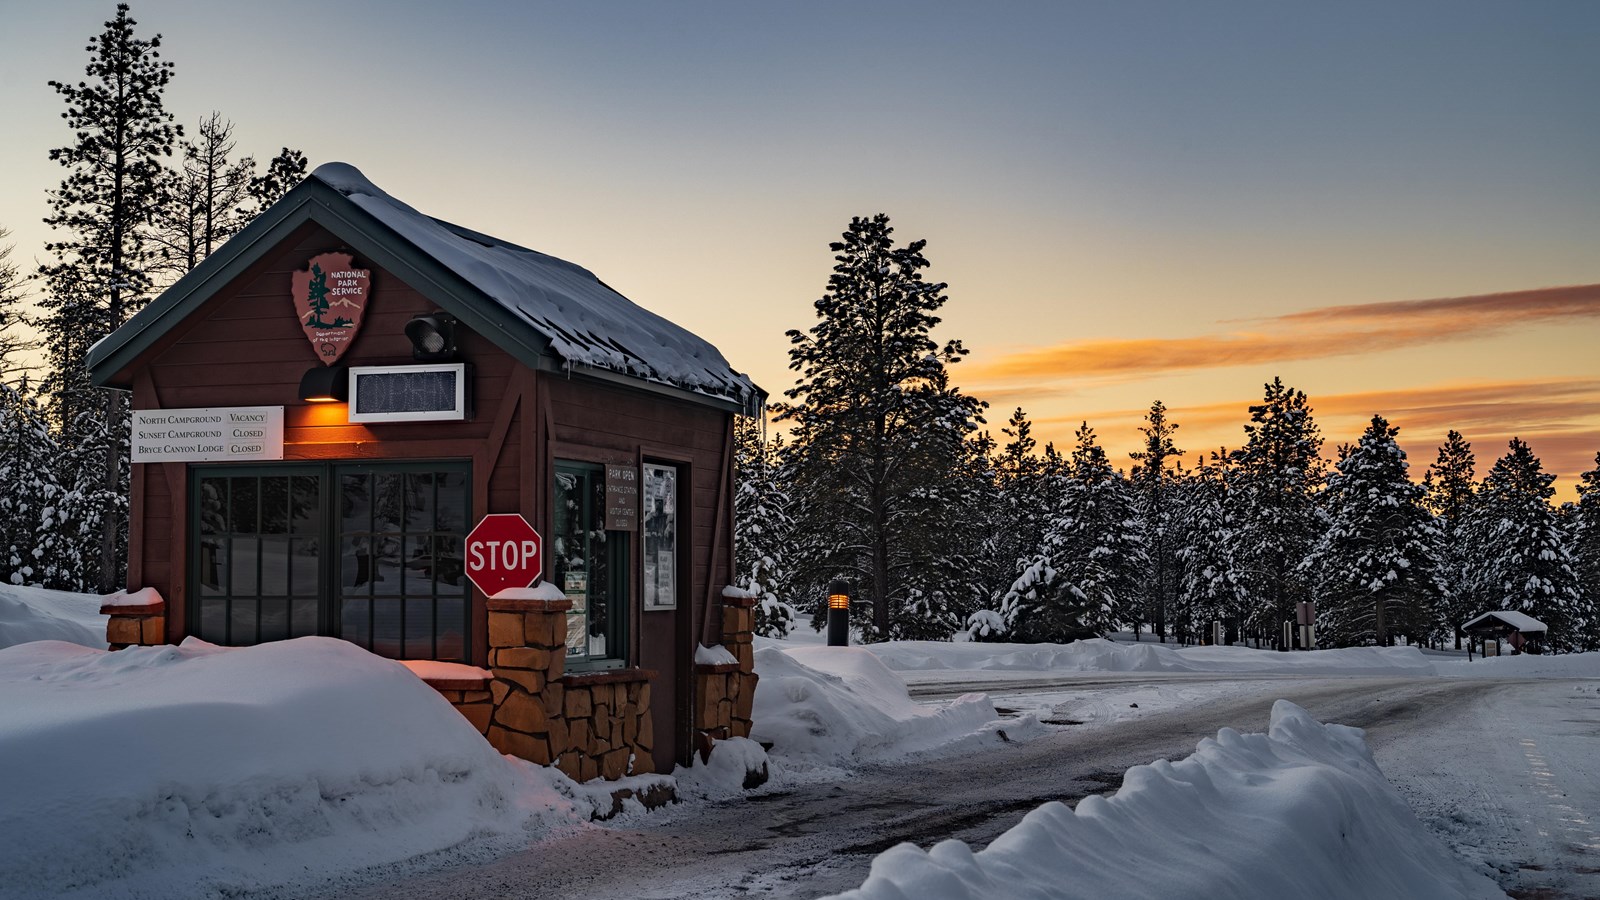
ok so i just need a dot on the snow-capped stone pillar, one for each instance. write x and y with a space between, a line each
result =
725 676
137 619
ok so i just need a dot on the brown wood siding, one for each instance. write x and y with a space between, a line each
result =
245 348
602 423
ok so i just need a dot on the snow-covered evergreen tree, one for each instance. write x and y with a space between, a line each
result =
1522 559
1155 477
1211 584
1015 522
1449 492
1280 471
28 456
1584 538
762 526
100 276
1084 576
1372 569
879 446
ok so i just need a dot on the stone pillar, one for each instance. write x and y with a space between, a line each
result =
725 691
588 724
137 619
528 655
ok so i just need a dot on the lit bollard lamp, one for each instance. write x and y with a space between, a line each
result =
839 613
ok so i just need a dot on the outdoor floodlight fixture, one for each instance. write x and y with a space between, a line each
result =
432 336
325 384
839 613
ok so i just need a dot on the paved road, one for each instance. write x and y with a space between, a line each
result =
821 838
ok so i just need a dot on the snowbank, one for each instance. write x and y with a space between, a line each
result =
1301 811
196 769
841 704
1566 665
1110 656
35 614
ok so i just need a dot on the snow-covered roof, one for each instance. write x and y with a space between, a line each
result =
586 322
1520 621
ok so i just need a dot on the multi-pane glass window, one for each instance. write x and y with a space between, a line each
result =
590 565
260 556
402 586
370 553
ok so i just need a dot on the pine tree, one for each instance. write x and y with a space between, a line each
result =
1154 482
286 170
1084 577
1211 584
1373 569
1585 541
762 526
205 198
15 324
1522 560
1449 493
100 276
880 437
1280 470
28 456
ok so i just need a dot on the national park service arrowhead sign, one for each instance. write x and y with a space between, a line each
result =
330 296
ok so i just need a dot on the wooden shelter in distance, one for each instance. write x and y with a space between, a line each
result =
1523 632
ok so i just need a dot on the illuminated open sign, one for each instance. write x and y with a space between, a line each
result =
422 393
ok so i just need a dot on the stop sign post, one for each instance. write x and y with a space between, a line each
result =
503 551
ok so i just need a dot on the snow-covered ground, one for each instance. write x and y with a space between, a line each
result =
35 614
1301 811
199 770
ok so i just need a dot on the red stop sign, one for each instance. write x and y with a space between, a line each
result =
503 551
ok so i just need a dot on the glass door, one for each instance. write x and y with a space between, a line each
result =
260 554
371 553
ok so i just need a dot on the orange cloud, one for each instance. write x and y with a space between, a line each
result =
1312 334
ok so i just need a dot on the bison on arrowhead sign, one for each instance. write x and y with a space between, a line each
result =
330 296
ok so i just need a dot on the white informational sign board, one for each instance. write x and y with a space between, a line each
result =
210 434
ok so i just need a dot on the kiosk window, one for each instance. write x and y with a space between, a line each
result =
368 552
590 565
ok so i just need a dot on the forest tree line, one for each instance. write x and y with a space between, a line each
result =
140 204
888 479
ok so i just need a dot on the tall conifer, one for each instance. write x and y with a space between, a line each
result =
100 276
879 440
1372 569
1280 471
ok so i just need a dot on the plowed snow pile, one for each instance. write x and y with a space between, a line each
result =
834 705
196 769
1301 811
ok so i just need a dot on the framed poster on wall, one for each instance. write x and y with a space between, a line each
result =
660 527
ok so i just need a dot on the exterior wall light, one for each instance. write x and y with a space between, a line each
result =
325 384
433 337
839 613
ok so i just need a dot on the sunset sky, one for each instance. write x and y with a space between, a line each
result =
1394 206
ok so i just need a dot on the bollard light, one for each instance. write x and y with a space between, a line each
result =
839 613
